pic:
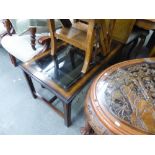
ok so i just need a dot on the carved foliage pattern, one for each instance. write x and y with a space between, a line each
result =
130 95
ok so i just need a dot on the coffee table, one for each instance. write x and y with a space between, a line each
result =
58 76
121 100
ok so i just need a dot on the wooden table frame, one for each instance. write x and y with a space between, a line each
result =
66 115
66 96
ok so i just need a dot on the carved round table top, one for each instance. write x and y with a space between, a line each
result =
122 99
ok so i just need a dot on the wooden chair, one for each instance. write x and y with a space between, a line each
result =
24 46
84 34
78 35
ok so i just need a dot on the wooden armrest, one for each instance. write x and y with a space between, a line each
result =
9 28
44 39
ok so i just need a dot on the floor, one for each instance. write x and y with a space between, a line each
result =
20 113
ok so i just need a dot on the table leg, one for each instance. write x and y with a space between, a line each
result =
67 114
87 130
13 60
30 84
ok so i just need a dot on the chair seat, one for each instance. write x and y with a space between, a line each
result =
20 46
73 36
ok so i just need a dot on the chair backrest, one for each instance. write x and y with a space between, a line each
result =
122 29
114 29
23 25
105 31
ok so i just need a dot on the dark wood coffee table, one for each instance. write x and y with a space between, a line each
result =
59 79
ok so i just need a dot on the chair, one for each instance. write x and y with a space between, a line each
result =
84 35
76 37
25 39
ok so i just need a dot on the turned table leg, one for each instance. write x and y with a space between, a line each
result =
30 84
67 114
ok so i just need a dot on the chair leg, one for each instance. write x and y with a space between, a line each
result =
86 61
141 44
142 41
13 60
72 58
67 114
134 43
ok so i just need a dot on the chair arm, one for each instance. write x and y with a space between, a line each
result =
44 40
9 28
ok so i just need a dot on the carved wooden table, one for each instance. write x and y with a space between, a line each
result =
121 100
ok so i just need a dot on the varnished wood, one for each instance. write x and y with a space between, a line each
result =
9 31
67 114
9 28
45 41
89 29
122 29
106 35
82 35
30 84
66 96
13 60
50 104
76 36
89 45
99 115
5 32
67 107
146 24
73 36
51 26
33 37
